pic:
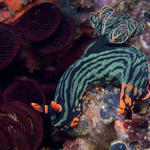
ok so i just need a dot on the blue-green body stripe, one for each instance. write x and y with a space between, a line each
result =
101 64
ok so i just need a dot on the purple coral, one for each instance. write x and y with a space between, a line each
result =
8 45
17 115
59 40
34 119
40 21
20 138
134 131
6 142
24 89
1 100
137 131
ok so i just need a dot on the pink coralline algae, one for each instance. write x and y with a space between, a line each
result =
134 132
11 10
16 5
81 143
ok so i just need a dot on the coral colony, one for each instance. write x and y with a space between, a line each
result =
71 79
8 45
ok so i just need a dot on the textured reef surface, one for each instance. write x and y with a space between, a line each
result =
74 75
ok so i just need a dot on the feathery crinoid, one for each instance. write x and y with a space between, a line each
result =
126 28
20 138
40 21
59 40
34 119
24 89
104 20
8 45
114 28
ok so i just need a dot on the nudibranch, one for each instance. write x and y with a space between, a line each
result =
106 61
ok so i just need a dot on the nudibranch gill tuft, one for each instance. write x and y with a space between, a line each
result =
106 61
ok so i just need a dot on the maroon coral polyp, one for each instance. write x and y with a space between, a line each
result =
8 45
57 42
20 138
6 142
24 89
15 114
34 119
40 21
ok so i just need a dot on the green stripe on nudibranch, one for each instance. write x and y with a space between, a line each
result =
100 67
103 63
106 61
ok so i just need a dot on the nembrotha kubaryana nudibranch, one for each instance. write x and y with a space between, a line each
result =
106 61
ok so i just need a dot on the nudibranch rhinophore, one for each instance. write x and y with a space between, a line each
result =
107 61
